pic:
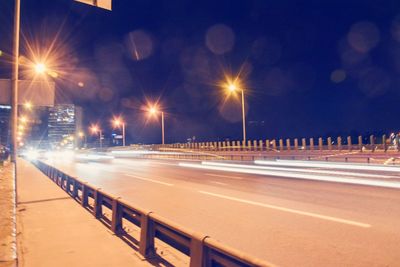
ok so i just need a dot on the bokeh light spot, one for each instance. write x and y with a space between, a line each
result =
81 84
338 76
363 36
220 39
374 82
106 94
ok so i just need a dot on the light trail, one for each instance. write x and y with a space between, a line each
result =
329 165
285 174
352 174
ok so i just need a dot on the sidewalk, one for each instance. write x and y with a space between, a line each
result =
54 230
7 216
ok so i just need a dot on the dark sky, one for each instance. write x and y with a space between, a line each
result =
309 68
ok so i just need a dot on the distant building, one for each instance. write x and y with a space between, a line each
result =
64 121
5 112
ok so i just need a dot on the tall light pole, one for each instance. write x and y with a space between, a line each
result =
232 87
117 123
82 135
153 111
14 81
162 128
95 129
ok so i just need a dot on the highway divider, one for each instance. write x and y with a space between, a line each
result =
203 250
181 154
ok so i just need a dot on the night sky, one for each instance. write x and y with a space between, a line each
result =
309 68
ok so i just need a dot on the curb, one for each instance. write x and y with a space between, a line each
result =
8 251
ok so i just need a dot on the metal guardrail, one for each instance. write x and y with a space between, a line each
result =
203 250
253 157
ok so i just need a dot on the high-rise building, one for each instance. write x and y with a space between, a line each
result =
64 121
5 112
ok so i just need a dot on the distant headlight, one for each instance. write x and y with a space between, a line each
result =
32 154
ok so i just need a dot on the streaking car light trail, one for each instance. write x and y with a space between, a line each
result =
329 165
297 170
295 175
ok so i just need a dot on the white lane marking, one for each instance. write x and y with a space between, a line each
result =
329 165
219 183
356 181
147 179
297 170
299 212
224 176
163 163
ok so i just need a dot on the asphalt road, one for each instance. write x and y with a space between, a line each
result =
268 213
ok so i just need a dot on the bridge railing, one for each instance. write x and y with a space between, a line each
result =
240 156
203 250
370 144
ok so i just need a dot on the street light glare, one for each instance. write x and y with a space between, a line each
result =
28 105
40 68
23 119
117 122
232 87
153 110
94 129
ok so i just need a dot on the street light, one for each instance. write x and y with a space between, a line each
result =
232 87
40 68
153 110
28 105
95 129
82 135
117 123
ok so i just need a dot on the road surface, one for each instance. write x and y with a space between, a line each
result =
268 213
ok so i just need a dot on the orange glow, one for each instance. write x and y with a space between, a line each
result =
40 68
118 122
153 110
23 119
232 87
81 134
95 129
53 74
28 105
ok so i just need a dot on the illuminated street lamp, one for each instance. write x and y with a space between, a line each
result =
28 105
82 135
40 68
23 119
232 87
153 110
117 123
95 129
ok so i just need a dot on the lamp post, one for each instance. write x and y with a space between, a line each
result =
14 81
82 136
153 111
95 129
117 123
232 87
